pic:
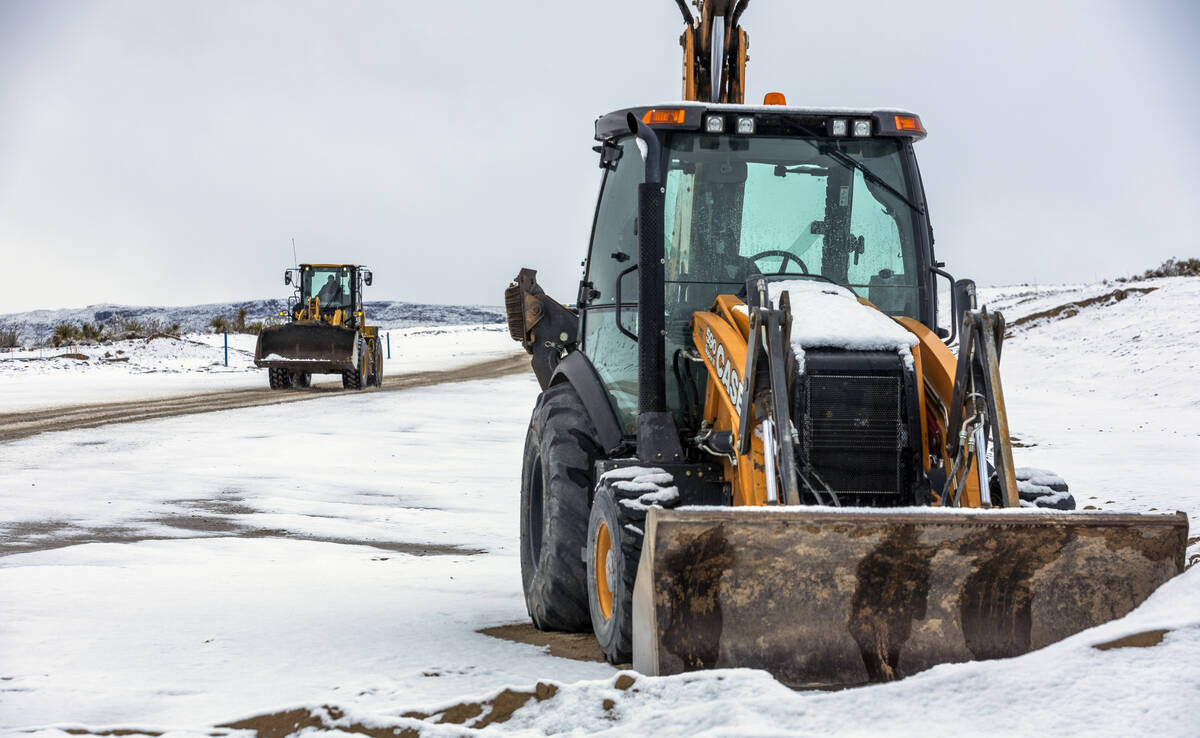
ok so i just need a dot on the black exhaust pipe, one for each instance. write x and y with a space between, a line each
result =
658 438
652 388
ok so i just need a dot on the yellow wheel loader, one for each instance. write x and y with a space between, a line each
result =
755 444
326 332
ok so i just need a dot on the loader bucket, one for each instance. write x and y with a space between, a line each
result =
831 598
308 347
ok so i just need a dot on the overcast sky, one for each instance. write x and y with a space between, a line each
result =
167 152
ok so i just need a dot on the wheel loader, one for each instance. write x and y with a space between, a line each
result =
756 444
326 331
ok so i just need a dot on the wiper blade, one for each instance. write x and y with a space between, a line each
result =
851 162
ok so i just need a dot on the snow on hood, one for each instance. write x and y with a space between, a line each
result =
826 315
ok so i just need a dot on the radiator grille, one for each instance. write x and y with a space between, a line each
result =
853 432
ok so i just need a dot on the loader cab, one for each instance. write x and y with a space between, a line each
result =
338 287
789 193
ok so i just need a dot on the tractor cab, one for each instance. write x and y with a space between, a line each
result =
789 193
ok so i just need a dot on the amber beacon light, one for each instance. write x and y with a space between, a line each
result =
909 123
659 117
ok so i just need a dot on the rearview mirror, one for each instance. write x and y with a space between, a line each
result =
287 276
367 278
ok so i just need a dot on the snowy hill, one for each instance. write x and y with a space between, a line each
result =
36 325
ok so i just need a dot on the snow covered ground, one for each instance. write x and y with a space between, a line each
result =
163 367
337 557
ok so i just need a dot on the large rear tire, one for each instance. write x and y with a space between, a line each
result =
556 481
378 363
616 530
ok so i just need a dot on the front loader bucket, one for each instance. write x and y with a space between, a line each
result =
829 598
317 348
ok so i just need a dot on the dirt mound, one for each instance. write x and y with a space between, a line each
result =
1071 309
474 715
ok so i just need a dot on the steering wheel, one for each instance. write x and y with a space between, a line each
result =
787 255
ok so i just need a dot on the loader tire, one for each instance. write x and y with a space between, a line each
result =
1038 488
301 379
613 551
616 530
353 378
377 373
556 480
279 378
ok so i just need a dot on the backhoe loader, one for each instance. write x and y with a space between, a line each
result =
326 332
755 445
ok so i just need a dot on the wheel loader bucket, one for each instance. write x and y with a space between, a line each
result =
830 598
307 347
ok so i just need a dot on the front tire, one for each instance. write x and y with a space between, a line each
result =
279 378
1038 488
556 481
616 530
354 378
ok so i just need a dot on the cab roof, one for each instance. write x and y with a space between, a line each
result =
769 119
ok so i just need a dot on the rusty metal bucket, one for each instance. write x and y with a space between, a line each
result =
828 598
317 348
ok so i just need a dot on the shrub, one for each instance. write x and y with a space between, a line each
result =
92 333
64 333
9 335
1174 268
132 328
219 324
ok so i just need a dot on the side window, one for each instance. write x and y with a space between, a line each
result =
881 274
881 237
614 231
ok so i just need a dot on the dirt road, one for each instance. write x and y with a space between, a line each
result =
22 425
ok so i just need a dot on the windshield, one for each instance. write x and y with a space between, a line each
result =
330 284
738 206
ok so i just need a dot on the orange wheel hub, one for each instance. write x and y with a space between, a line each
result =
604 556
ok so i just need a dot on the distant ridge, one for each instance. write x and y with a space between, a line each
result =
36 325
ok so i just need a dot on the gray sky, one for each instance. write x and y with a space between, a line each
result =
167 152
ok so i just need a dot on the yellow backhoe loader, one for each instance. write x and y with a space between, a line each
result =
326 332
755 445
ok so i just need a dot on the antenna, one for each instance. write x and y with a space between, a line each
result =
294 259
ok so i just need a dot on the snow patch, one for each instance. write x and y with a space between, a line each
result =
826 315
650 499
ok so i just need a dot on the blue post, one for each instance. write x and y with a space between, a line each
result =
389 343
226 349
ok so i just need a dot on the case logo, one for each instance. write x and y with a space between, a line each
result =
726 373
